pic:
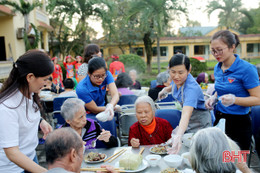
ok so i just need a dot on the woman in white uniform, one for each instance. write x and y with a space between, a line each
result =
20 113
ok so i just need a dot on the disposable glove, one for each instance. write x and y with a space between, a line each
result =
110 109
162 94
211 102
176 142
228 99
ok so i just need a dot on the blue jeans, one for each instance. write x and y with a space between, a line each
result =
35 159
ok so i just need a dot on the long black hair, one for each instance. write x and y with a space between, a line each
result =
33 61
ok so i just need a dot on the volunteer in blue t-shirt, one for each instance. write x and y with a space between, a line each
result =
187 92
92 89
237 88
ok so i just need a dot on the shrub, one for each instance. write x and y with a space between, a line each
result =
132 61
197 67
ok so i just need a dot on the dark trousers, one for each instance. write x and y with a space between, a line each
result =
238 128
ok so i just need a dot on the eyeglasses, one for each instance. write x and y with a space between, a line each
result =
217 52
100 76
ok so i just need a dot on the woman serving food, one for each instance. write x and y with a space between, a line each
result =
188 94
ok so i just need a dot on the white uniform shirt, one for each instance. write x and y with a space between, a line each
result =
17 130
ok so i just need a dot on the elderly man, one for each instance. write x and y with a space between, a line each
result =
64 151
136 83
162 80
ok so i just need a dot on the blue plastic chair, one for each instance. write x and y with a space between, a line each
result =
127 99
57 103
255 119
171 115
153 84
169 98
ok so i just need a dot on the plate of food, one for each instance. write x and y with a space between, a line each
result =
159 149
171 170
95 157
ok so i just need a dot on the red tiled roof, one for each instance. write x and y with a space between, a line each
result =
44 25
6 10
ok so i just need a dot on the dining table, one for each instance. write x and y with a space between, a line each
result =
144 168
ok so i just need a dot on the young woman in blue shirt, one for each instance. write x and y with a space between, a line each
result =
237 88
92 89
189 95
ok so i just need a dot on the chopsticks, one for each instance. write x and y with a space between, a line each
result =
115 154
124 150
101 169
141 151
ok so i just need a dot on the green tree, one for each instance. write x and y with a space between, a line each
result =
81 9
246 26
24 7
231 11
152 16
121 33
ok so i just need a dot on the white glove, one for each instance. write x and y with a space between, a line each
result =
162 94
118 108
176 142
210 102
176 145
228 99
110 109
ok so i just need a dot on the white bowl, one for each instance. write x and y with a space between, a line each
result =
173 160
153 159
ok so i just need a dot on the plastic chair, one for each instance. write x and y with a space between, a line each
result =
56 114
169 98
153 84
171 115
255 119
127 99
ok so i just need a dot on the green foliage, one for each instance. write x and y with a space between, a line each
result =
36 38
197 67
231 11
132 61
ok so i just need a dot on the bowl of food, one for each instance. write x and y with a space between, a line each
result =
153 159
173 160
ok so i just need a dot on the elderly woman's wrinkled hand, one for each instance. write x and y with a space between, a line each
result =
135 142
104 135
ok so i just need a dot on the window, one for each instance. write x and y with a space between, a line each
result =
139 51
179 48
163 51
199 50
250 48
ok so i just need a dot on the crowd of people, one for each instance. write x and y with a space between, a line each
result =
236 88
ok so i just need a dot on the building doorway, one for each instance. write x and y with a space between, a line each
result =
2 49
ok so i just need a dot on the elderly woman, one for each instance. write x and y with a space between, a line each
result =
148 129
136 84
206 152
122 83
74 113
162 80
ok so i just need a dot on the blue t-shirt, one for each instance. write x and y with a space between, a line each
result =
236 80
192 93
87 92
